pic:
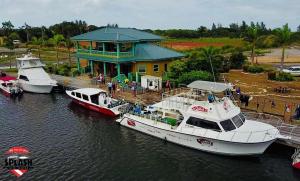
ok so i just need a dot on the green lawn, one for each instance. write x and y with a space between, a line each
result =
238 42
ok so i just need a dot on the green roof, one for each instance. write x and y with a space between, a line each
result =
143 52
149 51
109 34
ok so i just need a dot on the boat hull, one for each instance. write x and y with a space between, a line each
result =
99 109
197 142
41 89
296 164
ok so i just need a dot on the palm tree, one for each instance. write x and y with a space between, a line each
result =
252 36
38 42
69 44
211 54
58 40
284 35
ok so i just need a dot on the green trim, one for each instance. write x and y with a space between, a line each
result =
92 67
78 64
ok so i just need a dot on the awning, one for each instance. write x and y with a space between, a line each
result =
209 86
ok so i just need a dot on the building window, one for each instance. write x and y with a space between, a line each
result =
203 124
166 67
142 69
85 97
156 68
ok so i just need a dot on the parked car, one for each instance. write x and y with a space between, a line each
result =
294 70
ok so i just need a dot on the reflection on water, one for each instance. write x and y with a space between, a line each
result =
69 142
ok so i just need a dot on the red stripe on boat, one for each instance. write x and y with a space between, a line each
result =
7 78
102 110
297 165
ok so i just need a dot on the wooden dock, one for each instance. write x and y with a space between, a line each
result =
285 129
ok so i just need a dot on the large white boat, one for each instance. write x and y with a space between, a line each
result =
32 77
97 100
202 121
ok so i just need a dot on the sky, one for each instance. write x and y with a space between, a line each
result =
152 14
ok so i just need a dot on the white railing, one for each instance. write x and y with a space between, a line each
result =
292 131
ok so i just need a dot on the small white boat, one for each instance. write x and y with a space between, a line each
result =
9 87
208 124
296 159
32 77
97 100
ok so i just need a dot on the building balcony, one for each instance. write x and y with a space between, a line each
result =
97 53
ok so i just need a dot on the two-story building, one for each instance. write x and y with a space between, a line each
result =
115 51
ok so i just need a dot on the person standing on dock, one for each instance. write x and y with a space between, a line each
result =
114 88
109 86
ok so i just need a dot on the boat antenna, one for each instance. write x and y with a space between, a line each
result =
212 69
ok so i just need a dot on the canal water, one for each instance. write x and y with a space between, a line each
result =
68 142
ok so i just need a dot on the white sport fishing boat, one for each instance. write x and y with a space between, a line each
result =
202 122
97 100
32 77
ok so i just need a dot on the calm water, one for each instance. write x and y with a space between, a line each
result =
70 143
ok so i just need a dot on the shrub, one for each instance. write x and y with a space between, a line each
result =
63 70
189 77
253 68
283 76
236 60
75 72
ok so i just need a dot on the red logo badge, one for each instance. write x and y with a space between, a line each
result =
199 108
131 122
18 161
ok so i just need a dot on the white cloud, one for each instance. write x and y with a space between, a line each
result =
151 13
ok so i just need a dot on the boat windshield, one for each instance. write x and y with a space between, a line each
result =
242 117
237 121
227 125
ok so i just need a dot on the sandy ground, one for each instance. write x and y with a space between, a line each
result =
292 56
262 91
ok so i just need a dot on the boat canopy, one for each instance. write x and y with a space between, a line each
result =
210 86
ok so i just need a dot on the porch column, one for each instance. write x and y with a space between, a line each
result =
136 76
91 46
119 69
103 47
104 69
118 50
78 64
92 67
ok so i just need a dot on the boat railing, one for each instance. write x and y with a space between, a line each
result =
233 136
289 130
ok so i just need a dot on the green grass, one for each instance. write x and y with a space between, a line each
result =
225 40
